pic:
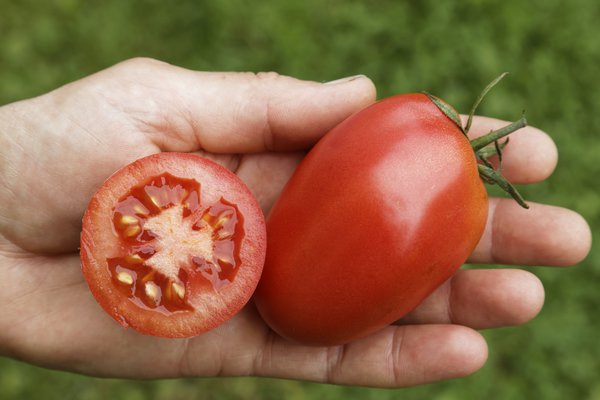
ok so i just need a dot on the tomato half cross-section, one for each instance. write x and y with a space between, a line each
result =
173 245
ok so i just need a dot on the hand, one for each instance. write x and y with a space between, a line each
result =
55 150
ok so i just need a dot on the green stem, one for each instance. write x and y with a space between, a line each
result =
486 170
487 152
490 175
480 99
491 137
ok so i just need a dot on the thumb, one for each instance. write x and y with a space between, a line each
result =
237 112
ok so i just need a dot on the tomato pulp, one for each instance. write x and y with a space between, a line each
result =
172 245
383 210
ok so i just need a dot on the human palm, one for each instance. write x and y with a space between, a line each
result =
55 150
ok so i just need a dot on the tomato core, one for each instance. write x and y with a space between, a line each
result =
169 240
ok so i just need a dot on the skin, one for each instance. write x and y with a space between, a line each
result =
386 224
55 150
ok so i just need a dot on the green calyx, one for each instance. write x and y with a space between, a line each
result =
488 145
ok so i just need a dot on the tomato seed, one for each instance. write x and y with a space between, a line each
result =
140 209
125 277
183 194
223 219
132 231
223 234
151 290
179 289
128 220
154 201
134 259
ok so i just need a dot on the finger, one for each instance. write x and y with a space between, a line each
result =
482 299
530 156
234 112
394 357
541 235
265 174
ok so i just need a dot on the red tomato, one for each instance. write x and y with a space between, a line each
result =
172 245
384 209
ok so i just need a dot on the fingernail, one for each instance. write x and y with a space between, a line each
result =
345 80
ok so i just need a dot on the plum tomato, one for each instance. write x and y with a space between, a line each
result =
383 210
173 245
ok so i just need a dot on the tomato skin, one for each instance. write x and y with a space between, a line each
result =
383 210
100 242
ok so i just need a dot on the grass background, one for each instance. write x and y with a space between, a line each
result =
452 49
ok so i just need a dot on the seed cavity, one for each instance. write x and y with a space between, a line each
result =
157 262
149 276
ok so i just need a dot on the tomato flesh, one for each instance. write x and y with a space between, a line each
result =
169 247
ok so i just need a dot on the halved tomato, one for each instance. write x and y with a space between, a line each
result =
173 245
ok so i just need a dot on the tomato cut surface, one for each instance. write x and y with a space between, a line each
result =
173 245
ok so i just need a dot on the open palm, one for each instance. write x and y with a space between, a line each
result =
55 150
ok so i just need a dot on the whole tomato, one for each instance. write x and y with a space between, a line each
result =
383 210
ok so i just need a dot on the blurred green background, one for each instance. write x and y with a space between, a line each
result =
452 49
